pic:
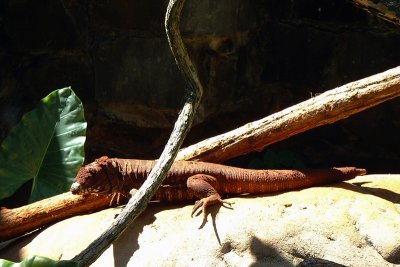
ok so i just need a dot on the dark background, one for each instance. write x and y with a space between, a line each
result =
254 58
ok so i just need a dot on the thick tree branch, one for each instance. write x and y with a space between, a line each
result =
329 107
18 221
385 9
138 203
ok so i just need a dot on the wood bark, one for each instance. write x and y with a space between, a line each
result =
138 203
18 221
388 10
326 108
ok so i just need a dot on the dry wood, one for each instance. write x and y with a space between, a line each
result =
385 9
15 222
329 107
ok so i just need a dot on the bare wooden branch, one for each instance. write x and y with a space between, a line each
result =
385 9
18 221
138 203
329 107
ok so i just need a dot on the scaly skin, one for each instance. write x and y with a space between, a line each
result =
189 179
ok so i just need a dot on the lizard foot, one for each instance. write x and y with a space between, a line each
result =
201 186
118 196
208 201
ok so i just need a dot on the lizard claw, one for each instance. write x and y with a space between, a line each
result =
118 195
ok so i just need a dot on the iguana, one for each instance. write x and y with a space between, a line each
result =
207 181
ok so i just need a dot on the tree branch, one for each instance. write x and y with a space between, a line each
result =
388 10
138 203
329 107
18 221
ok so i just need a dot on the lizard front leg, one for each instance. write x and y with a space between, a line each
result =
201 187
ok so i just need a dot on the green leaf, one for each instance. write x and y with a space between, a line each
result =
38 261
46 146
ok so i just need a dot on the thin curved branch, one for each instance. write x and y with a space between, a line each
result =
138 203
172 22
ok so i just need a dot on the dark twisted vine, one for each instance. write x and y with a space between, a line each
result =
138 203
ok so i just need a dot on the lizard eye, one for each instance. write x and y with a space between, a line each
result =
76 188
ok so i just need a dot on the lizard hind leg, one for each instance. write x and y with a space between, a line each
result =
200 185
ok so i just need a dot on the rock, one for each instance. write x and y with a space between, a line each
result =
123 77
353 224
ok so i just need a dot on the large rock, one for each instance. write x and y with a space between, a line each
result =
355 224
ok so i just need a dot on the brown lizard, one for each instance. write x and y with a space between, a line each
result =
207 181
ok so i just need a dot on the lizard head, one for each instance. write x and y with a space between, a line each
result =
91 178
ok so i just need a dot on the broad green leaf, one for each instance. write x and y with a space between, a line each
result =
46 147
38 261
